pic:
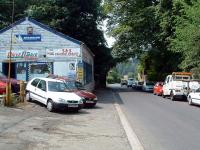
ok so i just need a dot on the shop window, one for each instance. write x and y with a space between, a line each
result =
21 71
39 70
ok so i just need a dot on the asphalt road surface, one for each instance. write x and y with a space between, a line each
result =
160 124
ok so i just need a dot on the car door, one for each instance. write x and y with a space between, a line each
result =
41 91
32 87
196 96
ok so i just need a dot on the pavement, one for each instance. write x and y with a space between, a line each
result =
31 127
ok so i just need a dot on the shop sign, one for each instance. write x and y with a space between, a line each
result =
65 52
22 55
80 71
29 37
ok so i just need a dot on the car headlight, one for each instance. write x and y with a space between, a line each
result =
61 100
95 98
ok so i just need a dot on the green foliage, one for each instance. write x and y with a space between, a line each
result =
131 75
113 76
187 35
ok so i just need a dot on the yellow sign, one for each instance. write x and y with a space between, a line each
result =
80 73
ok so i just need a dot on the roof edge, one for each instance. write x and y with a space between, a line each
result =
46 27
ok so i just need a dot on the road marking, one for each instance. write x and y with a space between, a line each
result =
132 137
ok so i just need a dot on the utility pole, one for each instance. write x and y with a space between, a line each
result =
8 88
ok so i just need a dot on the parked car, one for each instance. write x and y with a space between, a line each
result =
89 99
124 82
53 93
2 87
137 85
130 82
148 86
15 84
194 97
158 88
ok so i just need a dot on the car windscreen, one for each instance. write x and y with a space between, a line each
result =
54 86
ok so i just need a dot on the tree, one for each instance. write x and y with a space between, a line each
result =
144 27
79 19
187 35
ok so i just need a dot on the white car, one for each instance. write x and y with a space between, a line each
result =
194 97
130 82
148 86
52 93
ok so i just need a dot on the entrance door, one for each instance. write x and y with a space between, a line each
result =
5 67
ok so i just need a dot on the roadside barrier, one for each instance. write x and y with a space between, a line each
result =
11 99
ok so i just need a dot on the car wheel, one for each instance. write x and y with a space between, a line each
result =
163 95
28 97
50 106
172 96
189 100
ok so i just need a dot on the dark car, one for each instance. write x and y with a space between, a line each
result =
15 84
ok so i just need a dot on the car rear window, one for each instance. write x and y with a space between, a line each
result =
35 82
150 83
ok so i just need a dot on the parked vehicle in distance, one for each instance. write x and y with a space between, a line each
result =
53 93
194 97
2 87
148 86
15 84
158 88
178 84
89 99
137 85
123 82
130 82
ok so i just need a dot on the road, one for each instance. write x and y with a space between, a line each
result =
160 124
32 127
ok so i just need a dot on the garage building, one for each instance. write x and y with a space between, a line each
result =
37 50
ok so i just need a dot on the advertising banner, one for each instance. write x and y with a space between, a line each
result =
19 55
29 37
62 53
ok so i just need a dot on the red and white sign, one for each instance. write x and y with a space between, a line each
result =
65 52
19 55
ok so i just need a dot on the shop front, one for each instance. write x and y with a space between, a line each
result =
38 50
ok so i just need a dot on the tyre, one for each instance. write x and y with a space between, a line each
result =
50 106
189 100
163 95
172 96
28 97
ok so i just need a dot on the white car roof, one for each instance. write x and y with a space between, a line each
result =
47 79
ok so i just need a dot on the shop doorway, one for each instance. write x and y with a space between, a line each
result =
5 67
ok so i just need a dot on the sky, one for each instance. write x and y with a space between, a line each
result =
110 40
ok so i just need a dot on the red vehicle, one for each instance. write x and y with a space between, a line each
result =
89 99
2 88
158 88
15 84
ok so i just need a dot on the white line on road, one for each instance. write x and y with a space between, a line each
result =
132 137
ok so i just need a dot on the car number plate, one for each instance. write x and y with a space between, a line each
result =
72 105
89 102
